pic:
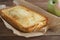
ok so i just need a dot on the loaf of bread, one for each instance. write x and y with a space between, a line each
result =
23 18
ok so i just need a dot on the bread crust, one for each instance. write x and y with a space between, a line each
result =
16 25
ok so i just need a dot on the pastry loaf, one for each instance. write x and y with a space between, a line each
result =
23 18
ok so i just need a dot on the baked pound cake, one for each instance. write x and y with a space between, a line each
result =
23 18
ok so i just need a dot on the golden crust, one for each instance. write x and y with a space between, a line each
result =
14 23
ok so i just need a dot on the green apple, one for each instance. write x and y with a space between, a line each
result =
54 7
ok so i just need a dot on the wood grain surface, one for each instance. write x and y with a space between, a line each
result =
40 3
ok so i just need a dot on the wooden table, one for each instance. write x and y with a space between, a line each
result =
6 34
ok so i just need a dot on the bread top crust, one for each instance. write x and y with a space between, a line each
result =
24 16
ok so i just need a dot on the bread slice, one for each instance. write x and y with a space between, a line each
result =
23 18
